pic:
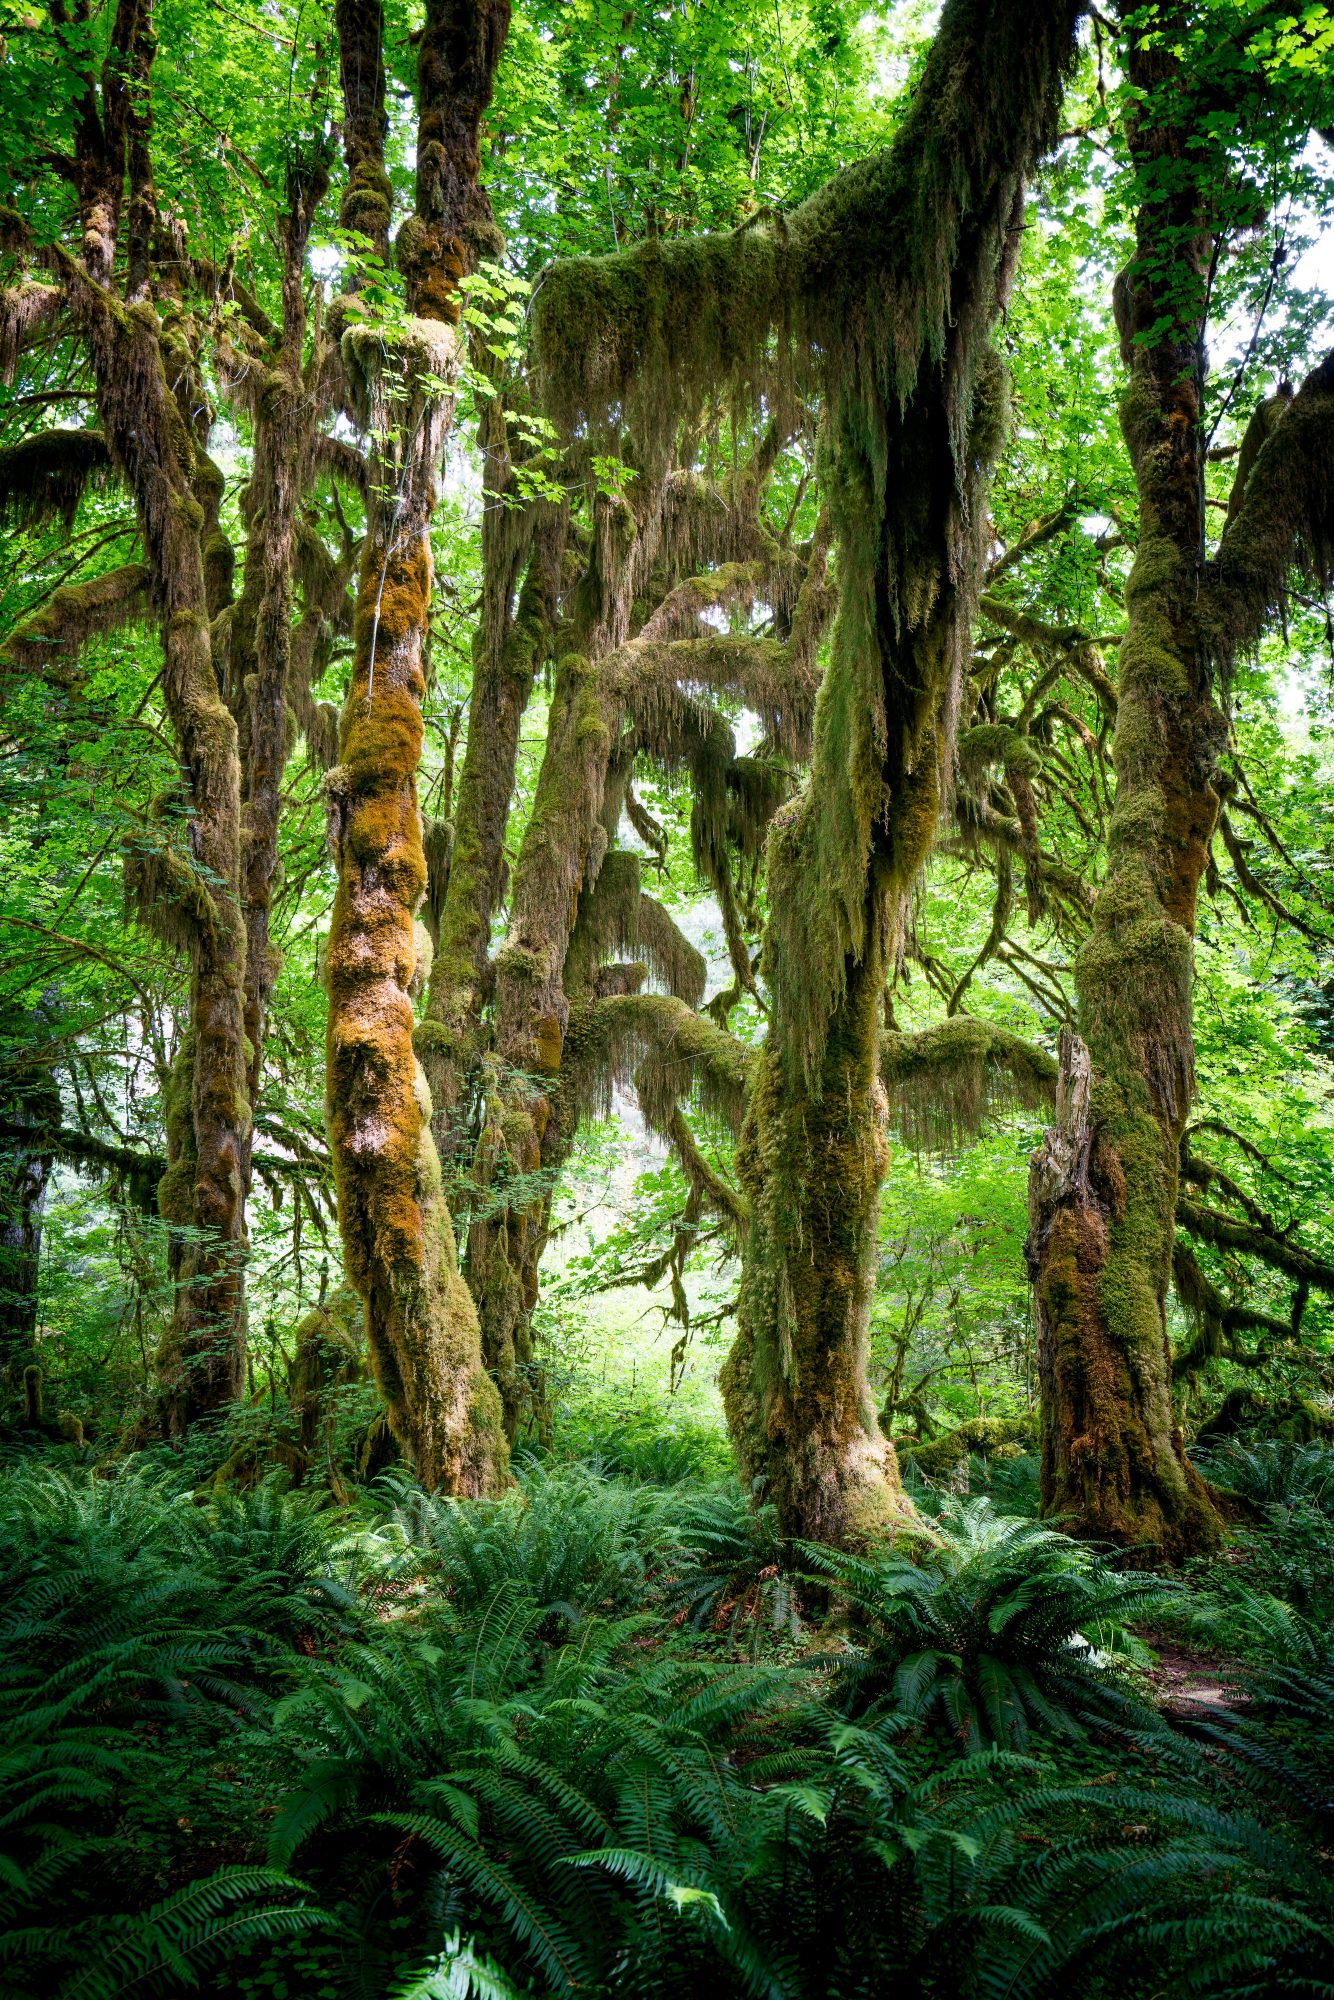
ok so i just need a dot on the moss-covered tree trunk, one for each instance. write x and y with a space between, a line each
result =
284 414
141 367
30 1099
905 478
798 1398
506 656
532 1013
397 1233
1103 1190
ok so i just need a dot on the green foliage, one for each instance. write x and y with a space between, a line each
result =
486 1795
1003 1628
571 1542
1273 1472
737 1571
510 1748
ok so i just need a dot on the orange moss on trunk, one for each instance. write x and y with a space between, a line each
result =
398 1239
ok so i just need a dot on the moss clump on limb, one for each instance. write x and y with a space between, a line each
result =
48 474
1281 514
989 1437
668 1050
53 636
941 1082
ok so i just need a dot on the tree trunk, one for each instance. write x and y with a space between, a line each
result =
285 411
795 1385
201 1361
532 1012
31 1098
505 659
398 1238
904 475
1103 1190
152 413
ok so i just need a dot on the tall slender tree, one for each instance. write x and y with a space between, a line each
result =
1104 1187
397 1233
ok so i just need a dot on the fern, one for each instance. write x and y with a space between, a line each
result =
459 1974
1005 1628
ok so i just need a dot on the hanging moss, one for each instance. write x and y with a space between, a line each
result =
756 788
47 475
607 923
668 1050
438 848
53 636
942 1082
1281 515
878 293
668 954
24 309
164 889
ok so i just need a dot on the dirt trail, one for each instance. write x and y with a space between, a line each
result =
1190 1686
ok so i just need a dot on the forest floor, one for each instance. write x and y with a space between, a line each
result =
602 1738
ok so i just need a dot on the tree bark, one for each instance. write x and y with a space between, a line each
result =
131 349
905 490
31 1100
285 413
397 1233
1103 1190
505 660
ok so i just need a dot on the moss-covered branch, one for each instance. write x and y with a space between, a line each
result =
669 1050
24 310
53 636
1218 1322
1282 516
941 1081
990 1437
1075 648
1226 1232
47 475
